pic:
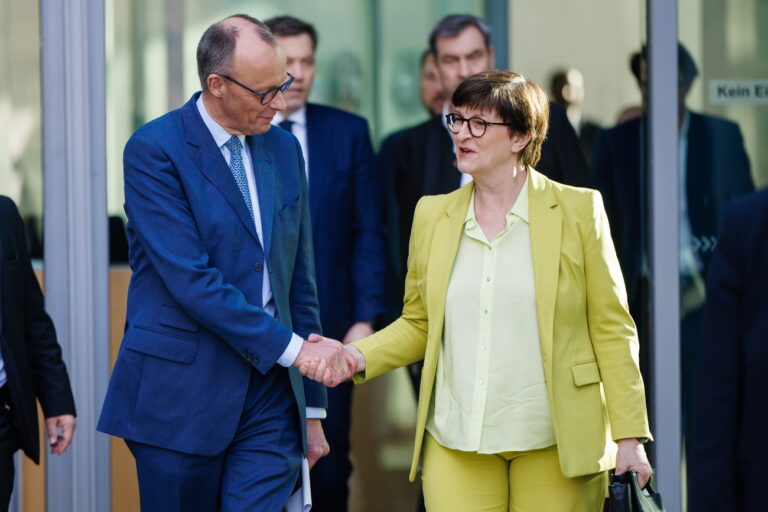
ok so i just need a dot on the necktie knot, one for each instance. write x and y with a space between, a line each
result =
286 125
233 144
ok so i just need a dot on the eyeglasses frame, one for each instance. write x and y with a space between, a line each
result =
450 120
263 95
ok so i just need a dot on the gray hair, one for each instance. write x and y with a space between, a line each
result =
453 25
217 46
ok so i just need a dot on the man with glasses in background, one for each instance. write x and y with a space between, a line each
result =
205 390
348 230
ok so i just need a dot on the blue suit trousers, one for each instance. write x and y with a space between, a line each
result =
258 470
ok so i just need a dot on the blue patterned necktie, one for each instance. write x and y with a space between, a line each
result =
238 170
286 125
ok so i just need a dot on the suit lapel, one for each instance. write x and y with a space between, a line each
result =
211 163
546 232
442 255
264 173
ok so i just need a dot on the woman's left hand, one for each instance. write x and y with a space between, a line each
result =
631 457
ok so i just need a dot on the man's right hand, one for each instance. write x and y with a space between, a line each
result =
326 358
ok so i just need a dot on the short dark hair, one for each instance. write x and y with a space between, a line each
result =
453 25
686 66
287 26
517 100
217 46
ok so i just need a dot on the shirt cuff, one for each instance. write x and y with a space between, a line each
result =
291 351
316 413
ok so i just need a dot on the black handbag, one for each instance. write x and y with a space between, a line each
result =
625 495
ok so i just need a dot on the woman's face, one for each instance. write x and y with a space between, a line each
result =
494 151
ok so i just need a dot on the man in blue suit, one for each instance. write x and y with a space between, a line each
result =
347 217
728 449
205 389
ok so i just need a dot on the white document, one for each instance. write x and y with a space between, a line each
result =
301 500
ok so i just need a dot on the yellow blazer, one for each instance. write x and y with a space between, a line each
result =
588 339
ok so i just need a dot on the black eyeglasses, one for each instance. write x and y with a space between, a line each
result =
268 96
476 125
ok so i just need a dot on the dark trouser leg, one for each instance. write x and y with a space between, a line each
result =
174 481
330 475
263 463
9 443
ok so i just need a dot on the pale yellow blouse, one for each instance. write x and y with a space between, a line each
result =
490 394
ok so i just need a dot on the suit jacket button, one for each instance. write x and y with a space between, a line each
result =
258 267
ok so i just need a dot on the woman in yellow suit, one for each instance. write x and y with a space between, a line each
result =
514 298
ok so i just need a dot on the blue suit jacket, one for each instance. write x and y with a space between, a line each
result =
728 450
195 326
347 219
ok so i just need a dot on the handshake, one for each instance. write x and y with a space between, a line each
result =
328 361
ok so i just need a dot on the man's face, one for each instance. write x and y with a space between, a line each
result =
461 57
432 95
300 56
261 67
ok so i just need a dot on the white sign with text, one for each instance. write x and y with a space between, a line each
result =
730 92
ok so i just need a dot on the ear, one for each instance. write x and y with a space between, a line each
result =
491 57
519 141
216 85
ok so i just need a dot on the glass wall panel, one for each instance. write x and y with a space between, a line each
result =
21 175
723 156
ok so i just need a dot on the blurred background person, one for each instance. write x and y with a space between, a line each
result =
432 94
730 418
633 111
31 367
567 88
713 169
348 234
514 298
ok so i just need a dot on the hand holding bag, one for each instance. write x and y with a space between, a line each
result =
625 495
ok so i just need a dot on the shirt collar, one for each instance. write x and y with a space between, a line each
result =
299 117
519 209
220 135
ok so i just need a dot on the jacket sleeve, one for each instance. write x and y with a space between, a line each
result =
611 328
49 372
404 341
714 445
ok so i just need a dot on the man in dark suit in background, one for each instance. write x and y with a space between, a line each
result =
31 366
713 169
222 295
728 449
348 229
421 161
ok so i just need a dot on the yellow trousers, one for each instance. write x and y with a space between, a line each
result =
530 481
